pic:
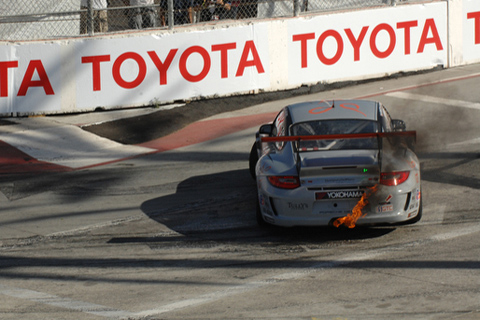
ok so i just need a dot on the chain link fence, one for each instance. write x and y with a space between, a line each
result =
53 19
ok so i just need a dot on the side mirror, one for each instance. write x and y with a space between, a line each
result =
266 129
399 125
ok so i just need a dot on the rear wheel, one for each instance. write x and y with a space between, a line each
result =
261 222
252 160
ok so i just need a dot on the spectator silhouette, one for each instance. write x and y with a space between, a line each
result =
215 10
100 16
142 17
182 11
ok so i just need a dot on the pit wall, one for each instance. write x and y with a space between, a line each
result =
82 74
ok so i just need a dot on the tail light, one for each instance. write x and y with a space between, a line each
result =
394 178
284 182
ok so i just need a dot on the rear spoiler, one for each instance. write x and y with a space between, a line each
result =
394 138
342 136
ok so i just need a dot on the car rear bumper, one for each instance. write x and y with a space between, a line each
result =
386 206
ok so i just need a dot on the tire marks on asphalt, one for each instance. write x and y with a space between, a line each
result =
316 266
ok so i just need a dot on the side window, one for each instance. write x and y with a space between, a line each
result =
280 128
386 119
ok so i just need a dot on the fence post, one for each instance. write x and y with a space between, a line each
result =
296 8
170 14
90 18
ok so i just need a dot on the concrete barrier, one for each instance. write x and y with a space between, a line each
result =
136 69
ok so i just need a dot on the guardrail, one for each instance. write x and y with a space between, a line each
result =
53 19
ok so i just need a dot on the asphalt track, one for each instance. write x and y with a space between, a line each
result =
172 235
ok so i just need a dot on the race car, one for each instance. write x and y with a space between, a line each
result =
319 160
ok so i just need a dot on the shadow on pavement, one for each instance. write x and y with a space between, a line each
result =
221 208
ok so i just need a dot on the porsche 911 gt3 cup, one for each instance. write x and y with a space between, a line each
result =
318 159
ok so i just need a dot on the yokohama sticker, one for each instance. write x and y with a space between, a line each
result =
357 194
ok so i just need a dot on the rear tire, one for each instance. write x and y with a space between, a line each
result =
261 222
252 160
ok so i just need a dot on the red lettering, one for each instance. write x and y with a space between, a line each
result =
356 42
303 38
4 66
321 40
373 38
476 17
223 48
206 64
162 67
429 26
142 70
27 82
429 35
255 62
407 25
95 61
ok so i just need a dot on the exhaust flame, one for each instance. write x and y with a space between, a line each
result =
350 220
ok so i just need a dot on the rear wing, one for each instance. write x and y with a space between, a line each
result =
405 134
383 142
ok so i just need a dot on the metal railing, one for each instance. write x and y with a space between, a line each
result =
53 19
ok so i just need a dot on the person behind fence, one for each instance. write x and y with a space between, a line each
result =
100 16
182 11
215 10
142 17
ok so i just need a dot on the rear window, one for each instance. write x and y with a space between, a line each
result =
328 127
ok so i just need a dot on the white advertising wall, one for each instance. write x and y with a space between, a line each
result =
471 31
29 78
156 68
366 43
82 74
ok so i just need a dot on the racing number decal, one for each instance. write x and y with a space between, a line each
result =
354 107
319 110
348 106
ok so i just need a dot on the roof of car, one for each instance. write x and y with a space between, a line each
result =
333 109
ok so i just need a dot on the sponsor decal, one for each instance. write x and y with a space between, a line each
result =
306 181
385 208
265 168
297 206
387 200
261 199
412 214
418 194
339 195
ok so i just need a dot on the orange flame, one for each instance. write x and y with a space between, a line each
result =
350 220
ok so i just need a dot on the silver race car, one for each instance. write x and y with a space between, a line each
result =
336 162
